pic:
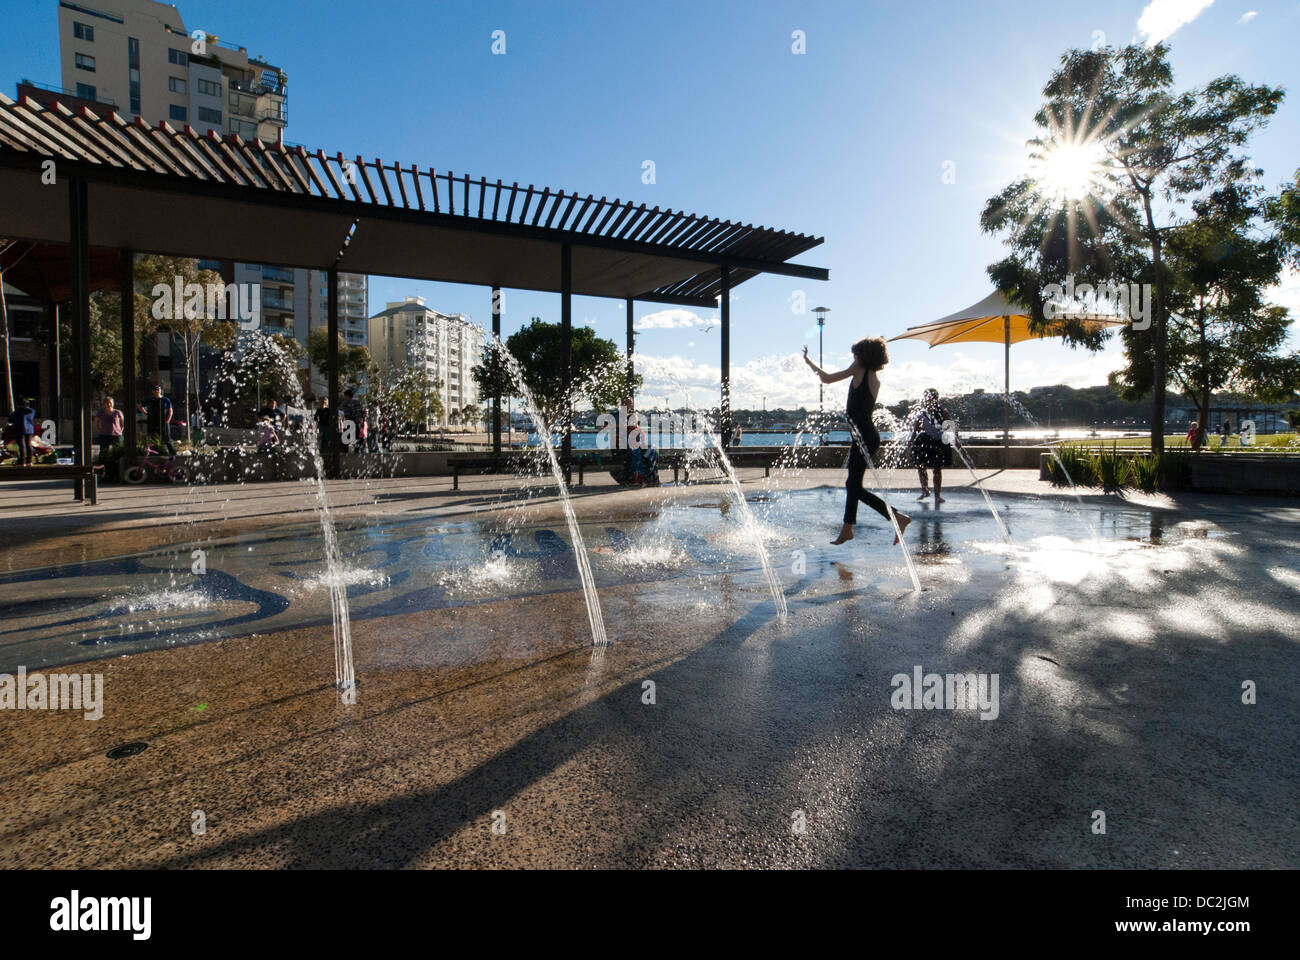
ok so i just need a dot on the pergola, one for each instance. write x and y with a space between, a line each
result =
133 188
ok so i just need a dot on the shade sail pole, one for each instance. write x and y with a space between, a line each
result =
1006 393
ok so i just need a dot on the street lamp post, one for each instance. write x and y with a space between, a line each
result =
821 362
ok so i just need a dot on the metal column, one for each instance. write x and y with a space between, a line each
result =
332 373
724 304
631 340
79 243
126 284
566 327
496 397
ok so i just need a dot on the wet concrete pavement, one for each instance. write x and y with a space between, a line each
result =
1120 668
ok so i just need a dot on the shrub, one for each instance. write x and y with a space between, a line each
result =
1112 470
1079 467
1144 473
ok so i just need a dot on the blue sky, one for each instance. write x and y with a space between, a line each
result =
847 141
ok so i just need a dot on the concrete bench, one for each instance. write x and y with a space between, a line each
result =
681 463
509 463
85 480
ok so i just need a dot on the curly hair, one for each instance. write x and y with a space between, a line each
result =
871 353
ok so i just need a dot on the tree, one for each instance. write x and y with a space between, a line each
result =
182 307
1222 332
262 366
472 414
1284 212
354 361
11 252
411 393
1152 150
599 370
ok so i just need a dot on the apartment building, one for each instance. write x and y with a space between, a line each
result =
408 333
139 57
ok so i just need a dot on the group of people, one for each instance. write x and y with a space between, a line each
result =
1197 438
372 428
107 420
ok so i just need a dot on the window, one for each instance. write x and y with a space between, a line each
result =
84 62
87 91
208 115
133 72
175 84
177 113
209 88
83 31
242 128
178 57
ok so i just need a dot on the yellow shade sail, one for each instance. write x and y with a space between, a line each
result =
993 320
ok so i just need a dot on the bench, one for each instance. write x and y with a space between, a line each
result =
85 480
511 463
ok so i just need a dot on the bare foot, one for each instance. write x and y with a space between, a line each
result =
924 495
903 520
846 534
939 499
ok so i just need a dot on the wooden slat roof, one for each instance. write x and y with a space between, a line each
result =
232 195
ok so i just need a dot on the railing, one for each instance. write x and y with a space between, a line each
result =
274 114
107 101
278 274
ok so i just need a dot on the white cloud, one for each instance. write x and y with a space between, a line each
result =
668 320
1248 16
784 381
1160 18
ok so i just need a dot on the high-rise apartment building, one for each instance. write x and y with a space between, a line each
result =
139 57
449 346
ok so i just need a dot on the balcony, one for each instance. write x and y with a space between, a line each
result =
277 274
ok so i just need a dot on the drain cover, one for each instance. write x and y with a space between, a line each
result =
127 750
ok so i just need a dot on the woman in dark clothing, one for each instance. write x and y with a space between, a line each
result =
868 357
926 446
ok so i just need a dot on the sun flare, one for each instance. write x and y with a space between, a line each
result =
1068 171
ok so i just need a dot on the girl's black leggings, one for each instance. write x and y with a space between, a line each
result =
854 491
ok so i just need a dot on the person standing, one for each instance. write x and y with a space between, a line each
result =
1225 430
159 411
108 425
352 411
1195 436
325 425
869 356
22 419
926 445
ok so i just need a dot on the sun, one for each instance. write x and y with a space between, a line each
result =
1069 171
